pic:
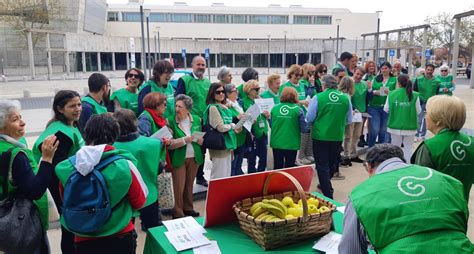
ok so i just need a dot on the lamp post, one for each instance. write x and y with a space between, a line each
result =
157 43
338 22
268 65
379 14
147 15
143 63
284 54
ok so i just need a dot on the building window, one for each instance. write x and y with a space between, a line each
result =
112 16
276 60
239 19
259 19
202 18
323 20
279 19
158 17
260 60
224 59
302 20
131 16
181 18
242 60
221 19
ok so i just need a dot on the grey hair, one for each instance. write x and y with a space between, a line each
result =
223 72
418 71
6 108
188 102
228 88
444 67
196 58
329 81
382 152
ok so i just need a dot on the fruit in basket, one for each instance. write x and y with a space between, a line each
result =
260 216
290 216
278 204
276 210
298 211
292 211
312 209
323 209
288 201
254 207
313 201
258 211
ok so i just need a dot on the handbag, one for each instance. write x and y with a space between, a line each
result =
20 224
165 190
213 139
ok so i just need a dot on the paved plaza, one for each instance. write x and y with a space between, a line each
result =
36 112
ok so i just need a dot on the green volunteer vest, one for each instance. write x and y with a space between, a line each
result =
406 211
197 89
118 178
41 203
179 155
402 113
359 98
304 82
300 89
452 153
229 137
445 82
97 108
331 118
126 99
148 152
260 127
70 131
339 66
241 136
377 100
154 127
168 92
242 94
269 94
285 126
427 87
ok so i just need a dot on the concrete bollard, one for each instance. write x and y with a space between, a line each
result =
26 93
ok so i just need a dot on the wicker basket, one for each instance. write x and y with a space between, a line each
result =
271 235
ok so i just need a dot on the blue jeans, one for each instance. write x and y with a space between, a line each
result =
377 125
421 131
236 165
258 148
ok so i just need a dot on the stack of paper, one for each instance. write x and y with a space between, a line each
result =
328 243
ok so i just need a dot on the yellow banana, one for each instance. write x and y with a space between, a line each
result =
258 211
323 209
268 217
275 210
254 207
279 204
262 215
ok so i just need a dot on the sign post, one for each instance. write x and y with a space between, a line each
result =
391 53
207 54
132 53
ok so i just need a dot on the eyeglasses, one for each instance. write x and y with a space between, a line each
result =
444 70
311 73
233 91
220 92
298 75
133 76
323 71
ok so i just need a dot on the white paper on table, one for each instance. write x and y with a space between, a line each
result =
357 118
186 239
197 135
183 224
265 104
162 133
328 243
212 248
341 209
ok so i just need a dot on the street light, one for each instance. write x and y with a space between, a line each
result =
147 15
338 22
379 14
284 54
143 63
268 65
157 43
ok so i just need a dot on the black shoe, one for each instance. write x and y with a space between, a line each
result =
202 182
360 144
346 163
191 213
357 160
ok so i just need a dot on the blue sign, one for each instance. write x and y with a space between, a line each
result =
391 52
207 53
428 53
183 53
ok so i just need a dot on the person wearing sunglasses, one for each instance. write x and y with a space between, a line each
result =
159 82
127 97
295 73
447 84
321 70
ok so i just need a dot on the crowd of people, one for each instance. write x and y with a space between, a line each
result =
318 117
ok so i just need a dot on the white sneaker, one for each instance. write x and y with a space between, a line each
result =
305 161
310 158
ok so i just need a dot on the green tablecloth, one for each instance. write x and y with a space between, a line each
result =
231 239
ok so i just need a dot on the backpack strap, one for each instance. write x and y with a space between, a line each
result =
4 170
102 164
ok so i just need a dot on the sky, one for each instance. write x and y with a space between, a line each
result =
395 13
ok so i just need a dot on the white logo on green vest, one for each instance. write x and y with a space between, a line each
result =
457 149
411 189
285 109
334 96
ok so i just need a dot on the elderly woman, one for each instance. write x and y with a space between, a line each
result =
145 150
162 73
152 119
370 71
247 74
218 116
308 71
287 124
259 130
224 76
25 178
447 84
186 155
237 113
321 70
295 73
128 97
273 83
449 151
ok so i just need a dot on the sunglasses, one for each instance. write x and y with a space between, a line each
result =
220 92
323 71
444 70
311 73
133 76
298 75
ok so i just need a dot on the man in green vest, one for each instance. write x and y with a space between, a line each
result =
401 208
95 102
196 86
328 113
343 63
427 86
